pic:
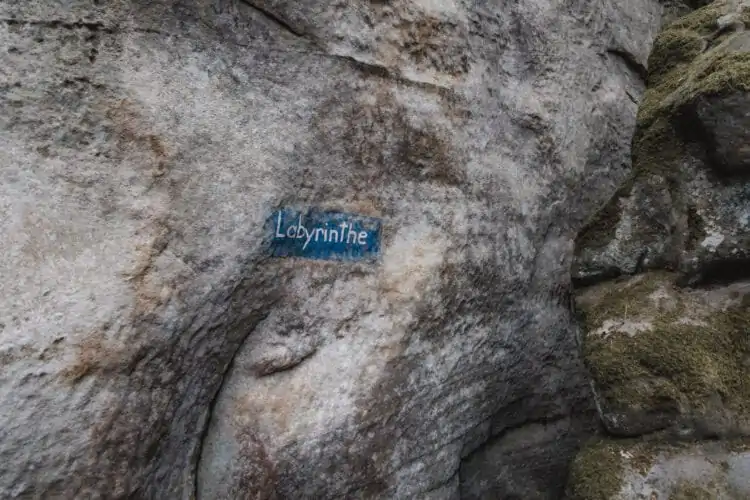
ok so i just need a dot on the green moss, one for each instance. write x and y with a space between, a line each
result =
647 394
724 73
675 47
656 150
671 362
626 297
598 469
596 472
692 55
702 21
690 59
680 71
680 42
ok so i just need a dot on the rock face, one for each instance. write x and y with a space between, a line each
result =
665 326
144 145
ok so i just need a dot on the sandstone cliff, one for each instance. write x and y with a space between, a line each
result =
145 143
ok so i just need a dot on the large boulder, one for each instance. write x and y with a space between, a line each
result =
144 146
684 207
663 270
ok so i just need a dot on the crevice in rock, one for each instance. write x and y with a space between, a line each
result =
631 62
717 273
381 71
94 27
493 439
446 482
215 398
565 431
632 98
58 23
275 19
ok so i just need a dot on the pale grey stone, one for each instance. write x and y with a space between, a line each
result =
143 145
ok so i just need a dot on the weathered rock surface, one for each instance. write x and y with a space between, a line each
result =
144 144
666 323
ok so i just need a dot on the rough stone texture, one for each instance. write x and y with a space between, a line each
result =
668 347
143 145
724 123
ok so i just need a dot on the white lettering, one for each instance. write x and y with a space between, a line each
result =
309 237
278 227
301 230
343 231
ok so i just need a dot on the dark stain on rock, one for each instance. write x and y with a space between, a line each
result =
385 144
429 42
132 133
695 228
257 474
437 44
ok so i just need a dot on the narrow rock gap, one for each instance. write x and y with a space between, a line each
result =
631 62
721 272
215 398
274 18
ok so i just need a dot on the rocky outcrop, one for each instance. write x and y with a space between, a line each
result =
152 349
664 268
684 207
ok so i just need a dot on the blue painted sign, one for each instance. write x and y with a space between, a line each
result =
323 235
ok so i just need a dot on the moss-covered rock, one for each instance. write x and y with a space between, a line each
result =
668 361
596 473
652 469
699 74
701 55
662 356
